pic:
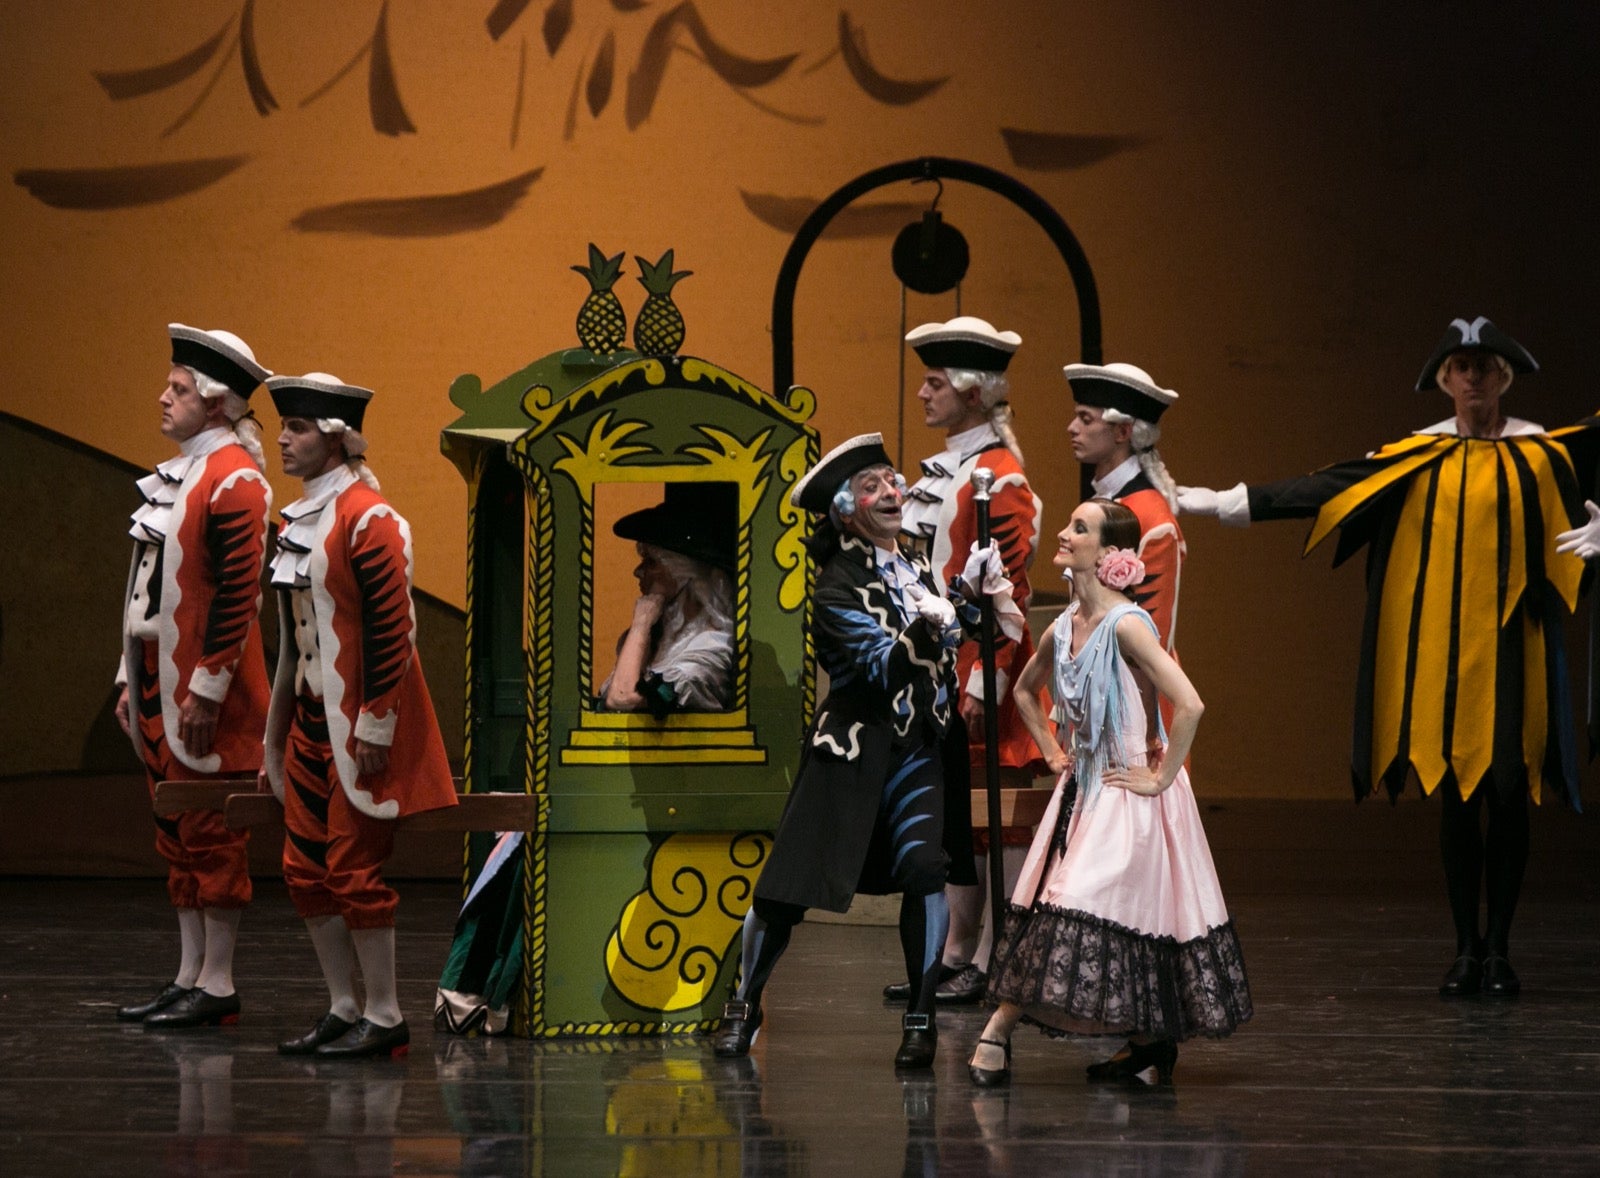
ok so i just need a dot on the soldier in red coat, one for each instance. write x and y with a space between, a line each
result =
965 393
193 678
352 742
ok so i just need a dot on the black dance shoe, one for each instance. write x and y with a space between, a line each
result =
1134 1058
196 1009
367 1038
740 1022
919 1040
1499 979
991 1077
137 1012
963 989
329 1027
1463 977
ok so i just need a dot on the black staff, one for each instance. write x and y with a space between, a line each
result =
982 480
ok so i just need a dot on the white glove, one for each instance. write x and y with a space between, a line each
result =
1583 541
1198 501
936 611
984 573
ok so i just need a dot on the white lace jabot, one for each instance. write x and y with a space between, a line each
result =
160 489
291 566
919 517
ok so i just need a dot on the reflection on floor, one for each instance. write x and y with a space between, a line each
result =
1351 1065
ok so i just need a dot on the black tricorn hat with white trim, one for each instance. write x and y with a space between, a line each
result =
319 395
694 519
221 355
1119 386
817 486
964 342
1478 333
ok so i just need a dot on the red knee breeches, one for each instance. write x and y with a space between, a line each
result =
333 854
207 864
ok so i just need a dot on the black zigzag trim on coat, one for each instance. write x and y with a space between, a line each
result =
314 851
235 562
316 804
385 621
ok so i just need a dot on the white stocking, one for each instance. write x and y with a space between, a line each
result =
375 947
336 954
222 933
192 938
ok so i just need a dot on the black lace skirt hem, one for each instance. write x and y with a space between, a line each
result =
1074 973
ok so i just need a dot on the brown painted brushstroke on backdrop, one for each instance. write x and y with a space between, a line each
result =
503 16
121 84
788 213
557 24
598 90
383 92
522 83
254 77
644 83
887 90
126 186
1054 151
438 215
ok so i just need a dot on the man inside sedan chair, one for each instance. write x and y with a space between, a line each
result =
868 811
352 742
1462 682
965 393
193 677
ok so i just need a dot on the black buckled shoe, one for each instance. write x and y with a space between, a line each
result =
965 988
329 1027
1499 979
919 1040
137 1012
1463 978
365 1039
196 1009
740 1022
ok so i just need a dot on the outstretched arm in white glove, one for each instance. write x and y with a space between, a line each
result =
1583 541
1230 507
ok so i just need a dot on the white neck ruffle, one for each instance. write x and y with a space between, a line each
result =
291 566
919 516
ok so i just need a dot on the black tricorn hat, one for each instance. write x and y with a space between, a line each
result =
816 487
319 395
964 342
1125 387
693 519
220 355
1478 333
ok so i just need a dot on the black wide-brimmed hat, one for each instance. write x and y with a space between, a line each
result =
693 519
1119 386
1478 333
221 355
319 395
964 342
817 486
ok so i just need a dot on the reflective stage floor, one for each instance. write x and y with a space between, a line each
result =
1352 1064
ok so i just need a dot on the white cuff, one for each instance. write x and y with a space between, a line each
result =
1002 682
1233 507
122 672
211 685
375 731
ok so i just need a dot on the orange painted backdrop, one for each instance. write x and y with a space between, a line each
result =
1283 205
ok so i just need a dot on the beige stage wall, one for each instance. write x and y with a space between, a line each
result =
1284 204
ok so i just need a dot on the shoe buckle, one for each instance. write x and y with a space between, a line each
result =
736 1009
916 1022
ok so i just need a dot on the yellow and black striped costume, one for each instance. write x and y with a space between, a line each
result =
1463 673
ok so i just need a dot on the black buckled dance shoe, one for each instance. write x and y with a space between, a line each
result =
740 1022
137 1012
919 1041
991 1077
366 1039
1463 978
1162 1055
328 1028
196 1009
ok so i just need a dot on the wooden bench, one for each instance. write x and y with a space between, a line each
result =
244 807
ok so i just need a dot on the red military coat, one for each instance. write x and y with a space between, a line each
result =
208 632
372 684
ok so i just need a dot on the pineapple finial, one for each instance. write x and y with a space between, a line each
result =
602 324
658 330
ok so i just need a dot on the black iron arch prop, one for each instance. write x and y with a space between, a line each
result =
930 168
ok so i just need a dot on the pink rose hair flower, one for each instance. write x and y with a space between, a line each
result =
1119 568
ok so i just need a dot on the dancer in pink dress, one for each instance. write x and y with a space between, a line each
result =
1117 925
